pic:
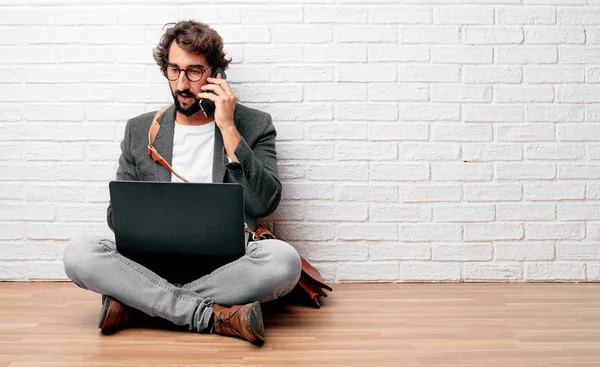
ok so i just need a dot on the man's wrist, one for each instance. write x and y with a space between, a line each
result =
228 129
231 139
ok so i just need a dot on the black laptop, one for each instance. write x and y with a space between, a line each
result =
159 223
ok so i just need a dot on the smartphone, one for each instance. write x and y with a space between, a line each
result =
206 105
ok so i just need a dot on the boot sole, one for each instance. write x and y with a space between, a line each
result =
255 323
107 311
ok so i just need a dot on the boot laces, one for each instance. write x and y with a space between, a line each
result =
222 323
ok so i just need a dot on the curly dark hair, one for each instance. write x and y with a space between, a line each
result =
194 37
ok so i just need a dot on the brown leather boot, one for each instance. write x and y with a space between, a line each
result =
115 316
243 321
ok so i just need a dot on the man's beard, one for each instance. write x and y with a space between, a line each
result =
192 109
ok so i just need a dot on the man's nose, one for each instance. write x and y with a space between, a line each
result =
182 83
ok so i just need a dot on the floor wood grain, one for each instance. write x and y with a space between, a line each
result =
463 324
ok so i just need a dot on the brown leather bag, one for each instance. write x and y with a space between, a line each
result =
310 283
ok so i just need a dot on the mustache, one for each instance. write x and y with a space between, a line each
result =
185 93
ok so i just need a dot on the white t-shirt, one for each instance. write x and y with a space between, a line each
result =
193 149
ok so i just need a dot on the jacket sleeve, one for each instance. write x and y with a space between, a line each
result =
126 170
257 172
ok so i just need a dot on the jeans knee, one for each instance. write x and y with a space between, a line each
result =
78 259
286 264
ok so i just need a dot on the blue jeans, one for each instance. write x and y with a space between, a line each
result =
270 269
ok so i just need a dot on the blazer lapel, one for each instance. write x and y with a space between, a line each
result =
164 142
219 157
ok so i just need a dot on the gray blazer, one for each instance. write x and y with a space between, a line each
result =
256 171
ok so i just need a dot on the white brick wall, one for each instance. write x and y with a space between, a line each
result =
432 140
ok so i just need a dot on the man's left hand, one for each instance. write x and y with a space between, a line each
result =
224 100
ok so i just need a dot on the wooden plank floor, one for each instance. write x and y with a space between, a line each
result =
55 324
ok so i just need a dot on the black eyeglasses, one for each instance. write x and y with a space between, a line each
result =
193 73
